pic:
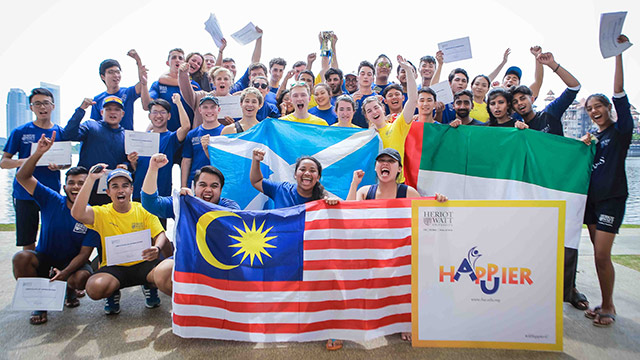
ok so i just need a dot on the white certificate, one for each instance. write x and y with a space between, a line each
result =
126 248
610 29
230 106
102 183
456 50
144 143
213 28
59 154
246 35
443 92
39 294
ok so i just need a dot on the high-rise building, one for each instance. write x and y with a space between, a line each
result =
18 111
55 90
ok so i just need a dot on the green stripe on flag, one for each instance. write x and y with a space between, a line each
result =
534 157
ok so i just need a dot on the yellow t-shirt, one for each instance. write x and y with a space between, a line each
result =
311 119
479 112
393 136
312 102
108 222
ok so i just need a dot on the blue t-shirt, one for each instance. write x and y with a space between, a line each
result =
128 96
162 206
358 116
329 115
61 236
168 145
20 142
271 97
160 91
268 110
192 149
241 84
100 142
283 194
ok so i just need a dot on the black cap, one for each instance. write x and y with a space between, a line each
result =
393 153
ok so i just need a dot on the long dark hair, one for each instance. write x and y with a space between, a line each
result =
318 190
494 93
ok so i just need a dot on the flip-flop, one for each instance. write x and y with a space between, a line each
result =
333 344
591 314
38 317
71 299
579 300
597 321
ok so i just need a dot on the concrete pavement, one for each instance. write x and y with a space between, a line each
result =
138 333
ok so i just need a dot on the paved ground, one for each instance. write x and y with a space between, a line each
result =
85 333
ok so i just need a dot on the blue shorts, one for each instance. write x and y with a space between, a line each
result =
606 214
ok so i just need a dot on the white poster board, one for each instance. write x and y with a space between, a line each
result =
488 274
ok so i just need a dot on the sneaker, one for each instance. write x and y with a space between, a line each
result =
112 304
151 297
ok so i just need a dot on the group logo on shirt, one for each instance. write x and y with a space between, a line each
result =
137 226
28 138
482 275
80 228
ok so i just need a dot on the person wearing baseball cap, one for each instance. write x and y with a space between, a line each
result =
119 217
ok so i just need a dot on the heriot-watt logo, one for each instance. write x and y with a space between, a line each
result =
606 220
438 218
80 228
483 275
137 226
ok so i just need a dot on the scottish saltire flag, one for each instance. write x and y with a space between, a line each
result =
304 273
476 163
339 150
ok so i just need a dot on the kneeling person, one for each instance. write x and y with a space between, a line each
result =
64 245
119 217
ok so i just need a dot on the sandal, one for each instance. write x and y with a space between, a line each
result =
579 300
71 300
598 320
333 344
38 317
591 314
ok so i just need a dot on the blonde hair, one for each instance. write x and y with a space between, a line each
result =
220 70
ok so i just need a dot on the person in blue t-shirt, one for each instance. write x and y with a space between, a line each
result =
207 186
458 80
383 68
333 77
167 85
307 173
170 141
366 76
193 156
230 64
276 69
608 189
324 109
20 141
110 75
102 140
267 109
65 244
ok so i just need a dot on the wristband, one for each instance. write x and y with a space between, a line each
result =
557 67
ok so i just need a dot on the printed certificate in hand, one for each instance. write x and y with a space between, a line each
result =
59 154
213 28
102 183
39 294
144 143
246 35
230 106
456 50
443 92
610 28
125 248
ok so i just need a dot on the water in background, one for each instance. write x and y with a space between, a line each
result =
632 215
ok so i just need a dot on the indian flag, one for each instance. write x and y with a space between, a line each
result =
489 163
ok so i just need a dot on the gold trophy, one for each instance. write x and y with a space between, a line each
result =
325 46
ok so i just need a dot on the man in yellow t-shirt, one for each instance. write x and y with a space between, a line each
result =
121 216
393 135
300 96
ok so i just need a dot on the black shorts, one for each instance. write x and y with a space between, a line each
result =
130 275
27 221
45 263
605 214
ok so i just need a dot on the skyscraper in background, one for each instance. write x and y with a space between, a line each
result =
18 111
55 90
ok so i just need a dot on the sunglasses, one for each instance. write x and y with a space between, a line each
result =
258 85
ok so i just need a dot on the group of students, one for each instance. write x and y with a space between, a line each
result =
184 109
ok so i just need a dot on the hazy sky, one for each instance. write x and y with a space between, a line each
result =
63 42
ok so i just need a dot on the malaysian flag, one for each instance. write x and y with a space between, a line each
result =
304 273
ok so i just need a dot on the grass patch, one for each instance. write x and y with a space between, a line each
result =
7 227
630 261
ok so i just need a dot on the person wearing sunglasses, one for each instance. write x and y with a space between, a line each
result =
267 109
383 70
